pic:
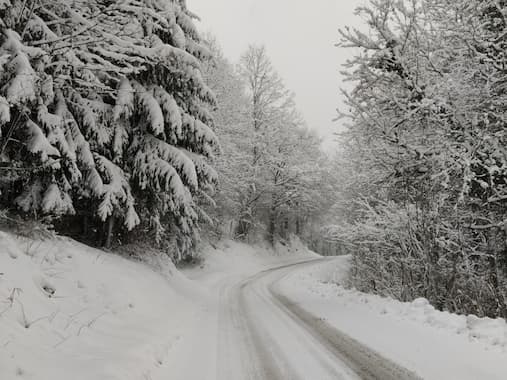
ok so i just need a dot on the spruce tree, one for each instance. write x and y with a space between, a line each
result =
105 108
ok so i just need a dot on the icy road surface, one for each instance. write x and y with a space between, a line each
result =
263 335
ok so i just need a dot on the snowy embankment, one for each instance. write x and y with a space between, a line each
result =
230 259
68 311
435 344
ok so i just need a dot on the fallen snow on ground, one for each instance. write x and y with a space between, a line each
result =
222 267
68 311
235 259
435 344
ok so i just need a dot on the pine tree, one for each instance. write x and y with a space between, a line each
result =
116 120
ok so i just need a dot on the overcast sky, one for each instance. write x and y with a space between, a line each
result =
300 38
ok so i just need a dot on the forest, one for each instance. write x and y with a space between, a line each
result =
149 135
121 124
423 203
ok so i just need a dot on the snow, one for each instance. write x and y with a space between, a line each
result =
5 113
72 312
203 169
201 134
38 143
177 158
178 37
21 87
56 202
434 344
124 106
161 175
30 198
221 267
235 259
115 193
76 140
151 108
52 125
171 112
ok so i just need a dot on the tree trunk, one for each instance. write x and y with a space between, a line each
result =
272 221
85 227
109 232
271 227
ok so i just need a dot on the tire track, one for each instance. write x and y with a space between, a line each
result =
263 335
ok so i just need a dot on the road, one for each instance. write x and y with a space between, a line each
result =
263 335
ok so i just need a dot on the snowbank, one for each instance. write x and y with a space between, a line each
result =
332 278
435 344
68 311
233 258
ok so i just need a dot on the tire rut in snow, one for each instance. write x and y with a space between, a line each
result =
367 363
247 351
240 355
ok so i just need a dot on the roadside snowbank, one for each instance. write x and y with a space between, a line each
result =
490 332
436 345
230 258
68 311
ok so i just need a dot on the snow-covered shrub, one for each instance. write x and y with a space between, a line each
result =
426 152
407 253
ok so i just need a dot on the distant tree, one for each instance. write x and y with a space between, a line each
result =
233 124
271 169
270 103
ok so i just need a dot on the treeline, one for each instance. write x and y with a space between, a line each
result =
109 117
274 179
424 193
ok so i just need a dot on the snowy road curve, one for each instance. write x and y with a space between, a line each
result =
263 335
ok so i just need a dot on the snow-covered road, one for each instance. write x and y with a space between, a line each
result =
263 335
244 313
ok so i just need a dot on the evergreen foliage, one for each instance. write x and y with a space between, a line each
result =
103 113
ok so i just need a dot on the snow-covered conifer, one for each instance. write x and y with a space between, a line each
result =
102 112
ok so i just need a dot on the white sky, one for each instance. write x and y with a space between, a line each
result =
300 38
